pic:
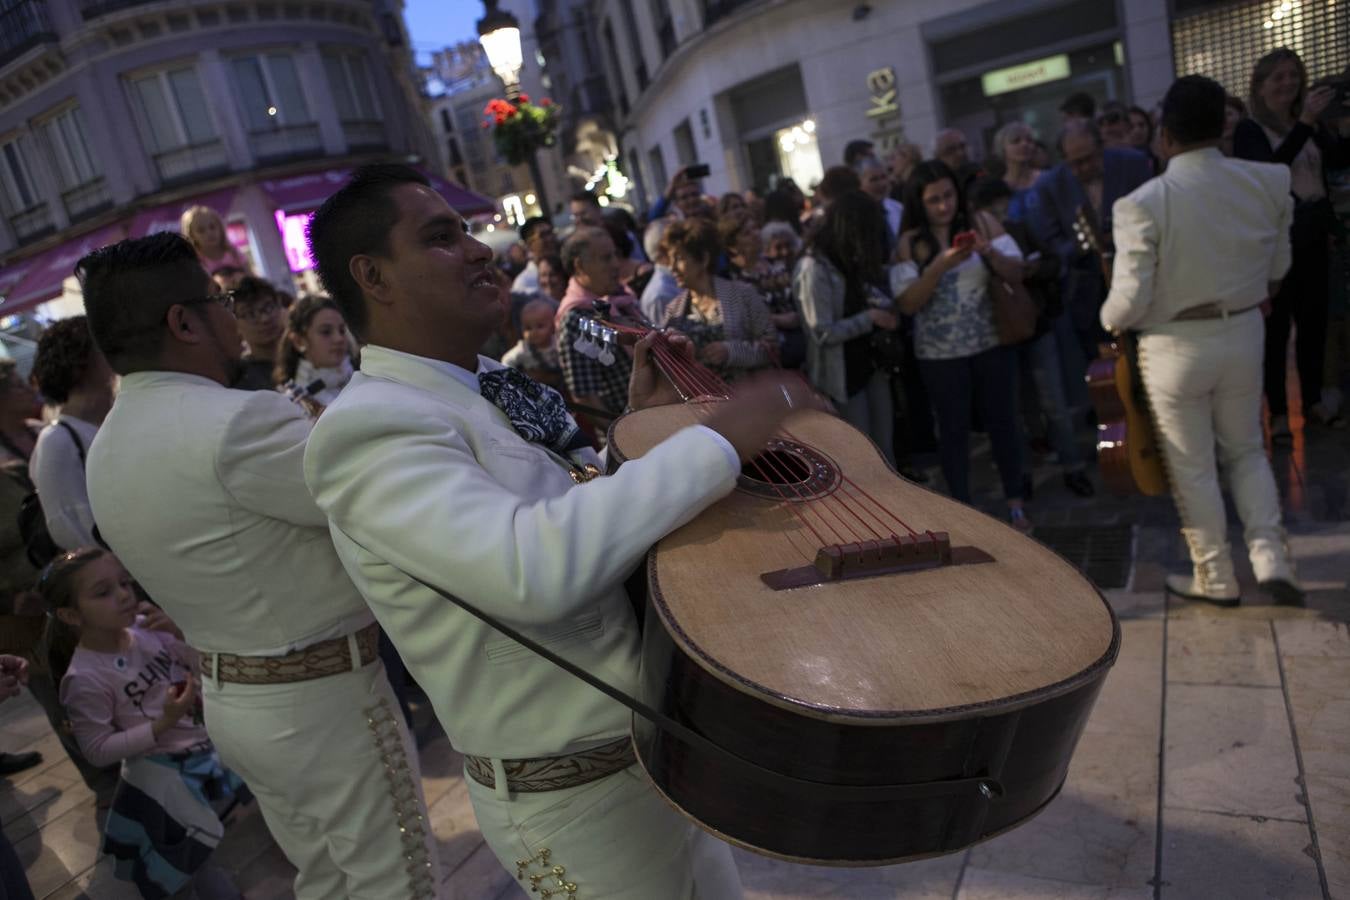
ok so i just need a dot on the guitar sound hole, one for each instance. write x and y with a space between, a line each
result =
777 467
787 470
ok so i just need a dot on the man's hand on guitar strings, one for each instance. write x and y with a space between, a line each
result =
648 385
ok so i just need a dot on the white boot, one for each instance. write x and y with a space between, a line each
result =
1274 571
1212 579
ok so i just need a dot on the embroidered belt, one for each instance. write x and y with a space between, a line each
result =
1210 311
330 657
553 773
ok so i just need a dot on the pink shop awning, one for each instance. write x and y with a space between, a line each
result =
44 273
166 216
305 193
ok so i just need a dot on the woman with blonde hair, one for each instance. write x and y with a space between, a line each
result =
205 230
1286 127
1015 146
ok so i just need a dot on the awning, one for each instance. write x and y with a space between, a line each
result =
44 273
166 216
305 193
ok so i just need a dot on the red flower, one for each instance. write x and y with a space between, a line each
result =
545 102
524 98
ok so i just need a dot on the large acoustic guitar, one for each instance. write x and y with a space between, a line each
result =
874 673
1127 445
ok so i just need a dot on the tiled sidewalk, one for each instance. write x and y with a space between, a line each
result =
1216 763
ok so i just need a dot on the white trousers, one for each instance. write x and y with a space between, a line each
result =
336 778
615 838
1203 380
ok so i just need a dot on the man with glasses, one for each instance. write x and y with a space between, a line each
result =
1083 187
262 321
199 490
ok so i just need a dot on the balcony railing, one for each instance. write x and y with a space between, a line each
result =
365 135
192 161
23 26
285 142
92 9
87 199
32 223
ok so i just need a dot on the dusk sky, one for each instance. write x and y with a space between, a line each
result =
434 24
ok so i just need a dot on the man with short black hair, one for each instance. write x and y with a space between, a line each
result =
586 210
445 473
1199 249
199 490
262 321
1079 105
856 150
541 242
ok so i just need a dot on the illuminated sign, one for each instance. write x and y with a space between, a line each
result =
1015 78
292 228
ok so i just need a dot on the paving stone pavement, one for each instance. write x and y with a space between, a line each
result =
1216 763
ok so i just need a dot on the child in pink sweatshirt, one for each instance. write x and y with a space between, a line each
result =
130 694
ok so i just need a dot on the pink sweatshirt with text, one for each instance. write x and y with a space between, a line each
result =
113 699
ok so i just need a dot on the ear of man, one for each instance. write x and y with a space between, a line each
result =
185 325
365 271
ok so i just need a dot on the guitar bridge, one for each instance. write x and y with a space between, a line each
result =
870 559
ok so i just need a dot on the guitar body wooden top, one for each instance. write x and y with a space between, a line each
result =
908 681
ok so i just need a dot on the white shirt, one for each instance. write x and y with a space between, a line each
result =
57 472
1208 230
895 212
527 282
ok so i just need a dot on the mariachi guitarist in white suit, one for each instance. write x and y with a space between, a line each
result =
1197 251
439 467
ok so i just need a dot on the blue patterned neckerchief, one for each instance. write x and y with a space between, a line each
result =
536 411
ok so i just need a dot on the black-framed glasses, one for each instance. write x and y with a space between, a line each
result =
224 298
256 312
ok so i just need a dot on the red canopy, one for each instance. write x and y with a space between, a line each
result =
166 216
44 273
303 193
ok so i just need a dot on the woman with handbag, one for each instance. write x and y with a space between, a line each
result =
840 285
963 287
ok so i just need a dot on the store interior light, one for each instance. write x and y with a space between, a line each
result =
271 110
530 199
491 227
809 126
497 217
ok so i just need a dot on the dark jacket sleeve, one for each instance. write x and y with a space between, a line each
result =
1250 142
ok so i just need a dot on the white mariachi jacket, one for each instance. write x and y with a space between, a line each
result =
419 475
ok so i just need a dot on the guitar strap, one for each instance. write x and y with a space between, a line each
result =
977 792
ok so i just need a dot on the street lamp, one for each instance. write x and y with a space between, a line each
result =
499 33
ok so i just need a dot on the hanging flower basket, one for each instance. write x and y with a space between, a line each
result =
522 127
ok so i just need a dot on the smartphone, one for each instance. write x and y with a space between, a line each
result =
697 170
1338 106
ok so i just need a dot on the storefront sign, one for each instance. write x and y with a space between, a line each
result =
1015 78
884 108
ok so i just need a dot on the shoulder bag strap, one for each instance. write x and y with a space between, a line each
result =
74 436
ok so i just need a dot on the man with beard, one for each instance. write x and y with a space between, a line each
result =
200 492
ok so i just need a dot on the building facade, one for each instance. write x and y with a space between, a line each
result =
117 114
764 89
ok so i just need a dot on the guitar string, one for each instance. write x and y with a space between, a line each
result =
677 366
886 531
709 381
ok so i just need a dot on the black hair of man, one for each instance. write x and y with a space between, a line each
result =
128 290
529 225
1078 126
838 181
986 191
254 290
587 197
1079 104
357 221
1193 110
856 150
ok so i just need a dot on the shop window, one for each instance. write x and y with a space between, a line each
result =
1226 42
